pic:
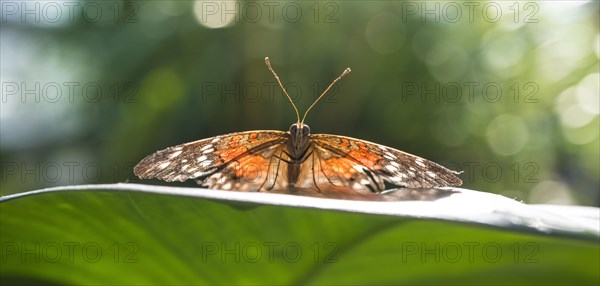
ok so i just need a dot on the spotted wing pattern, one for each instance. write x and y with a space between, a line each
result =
240 161
363 165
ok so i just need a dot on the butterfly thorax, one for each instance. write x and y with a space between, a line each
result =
297 147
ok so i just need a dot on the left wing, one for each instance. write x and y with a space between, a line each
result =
238 161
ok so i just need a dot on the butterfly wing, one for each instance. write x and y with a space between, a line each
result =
346 160
240 161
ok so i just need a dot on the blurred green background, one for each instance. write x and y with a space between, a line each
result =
508 91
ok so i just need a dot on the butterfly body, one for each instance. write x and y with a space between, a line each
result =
298 145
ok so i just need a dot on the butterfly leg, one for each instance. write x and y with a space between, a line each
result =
302 159
281 158
269 171
267 176
324 172
306 157
313 172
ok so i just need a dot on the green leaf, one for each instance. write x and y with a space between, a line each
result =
140 234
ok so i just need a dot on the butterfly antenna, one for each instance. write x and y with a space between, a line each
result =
268 62
346 71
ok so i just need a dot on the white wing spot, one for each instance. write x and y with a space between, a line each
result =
412 168
389 156
419 162
202 158
391 168
208 151
177 148
215 140
431 174
357 168
197 174
173 155
205 164
206 147
395 164
184 160
164 165
180 178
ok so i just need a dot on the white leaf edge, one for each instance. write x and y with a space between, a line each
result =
464 206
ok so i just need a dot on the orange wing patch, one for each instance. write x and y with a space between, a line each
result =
251 167
230 154
338 167
364 156
235 140
237 146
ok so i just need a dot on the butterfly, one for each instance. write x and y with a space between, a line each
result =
272 160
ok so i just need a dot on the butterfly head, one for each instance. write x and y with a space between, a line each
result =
299 133
299 130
